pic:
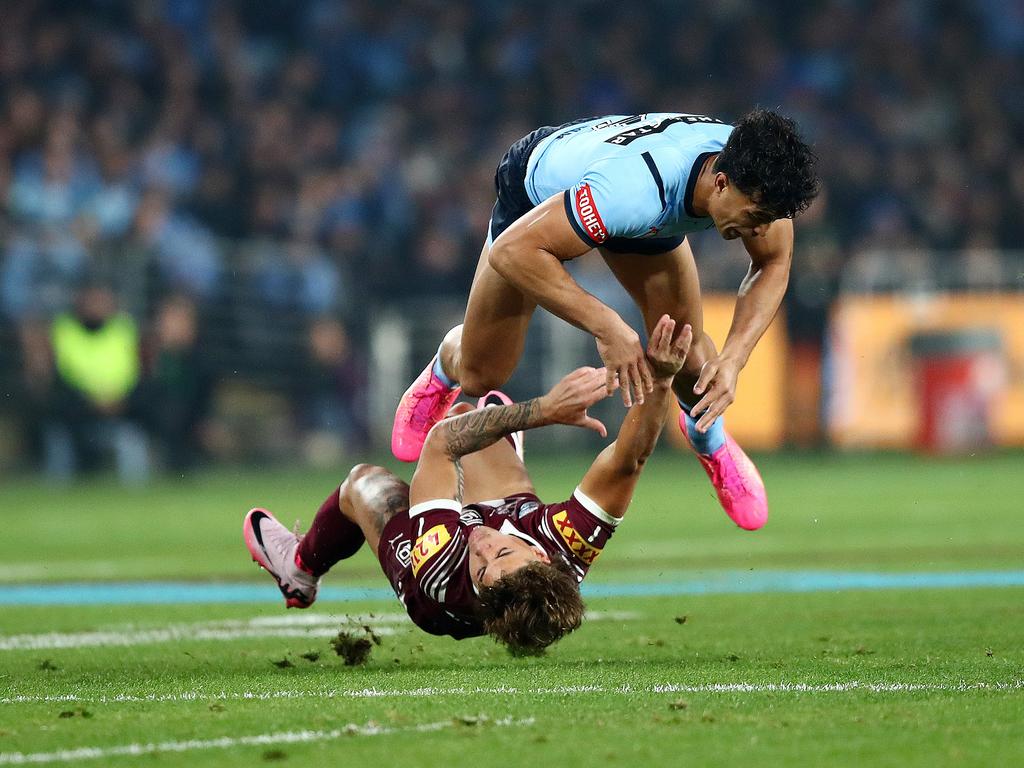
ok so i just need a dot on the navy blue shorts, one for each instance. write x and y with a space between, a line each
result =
513 202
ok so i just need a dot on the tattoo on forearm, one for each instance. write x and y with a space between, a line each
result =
478 429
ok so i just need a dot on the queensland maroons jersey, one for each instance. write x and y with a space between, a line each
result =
627 177
445 600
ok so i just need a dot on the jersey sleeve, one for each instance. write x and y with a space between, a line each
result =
439 546
617 197
579 529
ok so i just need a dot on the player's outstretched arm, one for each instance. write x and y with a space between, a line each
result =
757 303
439 473
529 254
612 477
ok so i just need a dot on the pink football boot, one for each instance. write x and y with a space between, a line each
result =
737 482
424 404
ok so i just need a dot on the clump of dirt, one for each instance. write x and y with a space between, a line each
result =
355 646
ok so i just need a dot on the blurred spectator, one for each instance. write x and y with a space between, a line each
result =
177 383
91 405
184 252
330 395
298 277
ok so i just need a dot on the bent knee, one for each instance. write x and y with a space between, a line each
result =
460 408
477 382
357 473
362 470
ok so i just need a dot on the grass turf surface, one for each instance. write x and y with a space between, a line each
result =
631 686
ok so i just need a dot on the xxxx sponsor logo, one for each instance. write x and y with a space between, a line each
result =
428 545
588 215
576 543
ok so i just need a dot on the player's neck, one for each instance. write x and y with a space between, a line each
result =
704 187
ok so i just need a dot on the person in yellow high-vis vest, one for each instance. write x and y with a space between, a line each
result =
97 370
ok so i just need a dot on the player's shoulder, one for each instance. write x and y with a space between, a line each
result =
577 528
438 540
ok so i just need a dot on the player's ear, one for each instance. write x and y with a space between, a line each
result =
721 182
543 557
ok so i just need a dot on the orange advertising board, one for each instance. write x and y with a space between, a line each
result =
875 399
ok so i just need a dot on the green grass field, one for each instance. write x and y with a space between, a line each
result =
901 677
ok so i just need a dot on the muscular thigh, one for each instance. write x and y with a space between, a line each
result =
664 283
376 495
494 330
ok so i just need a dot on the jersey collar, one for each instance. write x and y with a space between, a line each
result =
691 184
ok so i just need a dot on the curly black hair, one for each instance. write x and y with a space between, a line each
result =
766 158
532 607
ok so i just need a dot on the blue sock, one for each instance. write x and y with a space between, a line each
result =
710 441
440 374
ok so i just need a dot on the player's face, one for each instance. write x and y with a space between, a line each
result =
735 214
493 555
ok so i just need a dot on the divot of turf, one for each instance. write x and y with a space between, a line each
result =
355 646
79 712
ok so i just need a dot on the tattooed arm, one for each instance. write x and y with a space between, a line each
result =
439 473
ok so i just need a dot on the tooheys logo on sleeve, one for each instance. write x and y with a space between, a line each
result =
588 215
428 545
579 546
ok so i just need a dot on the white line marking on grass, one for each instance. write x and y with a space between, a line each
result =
374 619
259 740
562 690
303 625
170 634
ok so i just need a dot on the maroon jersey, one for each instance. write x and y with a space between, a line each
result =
425 554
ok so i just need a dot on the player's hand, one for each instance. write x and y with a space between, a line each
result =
624 362
717 384
666 357
568 400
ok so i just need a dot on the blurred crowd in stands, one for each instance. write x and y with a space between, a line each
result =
259 172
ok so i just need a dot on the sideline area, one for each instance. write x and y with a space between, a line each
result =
715 583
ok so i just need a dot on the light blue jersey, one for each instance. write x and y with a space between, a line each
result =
627 176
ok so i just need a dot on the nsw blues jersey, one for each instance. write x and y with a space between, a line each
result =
627 177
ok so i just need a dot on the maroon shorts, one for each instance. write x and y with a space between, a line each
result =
395 555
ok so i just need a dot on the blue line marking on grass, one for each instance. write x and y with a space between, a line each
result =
717 583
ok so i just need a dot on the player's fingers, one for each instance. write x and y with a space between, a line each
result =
707 373
610 380
646 376
624 387
701 406
654 343
597 380
713 412
668 327
684 340
591 423
594 391
657 332
636 383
